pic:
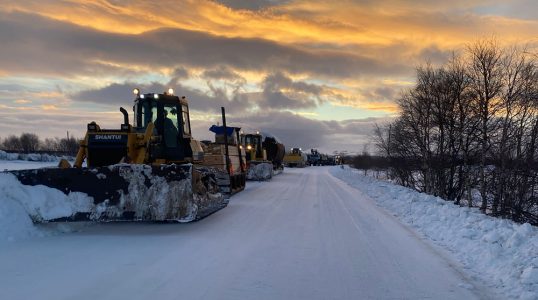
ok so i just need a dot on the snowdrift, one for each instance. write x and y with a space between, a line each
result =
18 202
31 157
501 253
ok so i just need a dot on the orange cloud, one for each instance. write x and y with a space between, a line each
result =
21 101
299 21
306 114
49 107
386 107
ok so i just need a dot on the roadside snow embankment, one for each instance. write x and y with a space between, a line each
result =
502 253
18 202
30 157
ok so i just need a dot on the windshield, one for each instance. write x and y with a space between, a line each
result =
149 112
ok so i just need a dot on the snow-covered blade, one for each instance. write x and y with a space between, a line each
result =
260 171
126 192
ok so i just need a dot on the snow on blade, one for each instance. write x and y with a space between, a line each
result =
502 253
260 172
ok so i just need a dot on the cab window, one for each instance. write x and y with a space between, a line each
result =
170 125
186 121
149 112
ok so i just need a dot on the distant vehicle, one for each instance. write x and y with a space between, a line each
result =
296 158
315 158
324 159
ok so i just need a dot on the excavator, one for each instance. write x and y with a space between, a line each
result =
143 171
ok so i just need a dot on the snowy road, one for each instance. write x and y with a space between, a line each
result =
302 235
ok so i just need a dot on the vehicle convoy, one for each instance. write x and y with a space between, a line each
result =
264 155
150 170
295 158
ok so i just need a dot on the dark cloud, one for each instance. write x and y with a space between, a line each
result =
223 73
249 4
209 102
297 94
387 93
434 55
279 92
180 73
36 45
297 131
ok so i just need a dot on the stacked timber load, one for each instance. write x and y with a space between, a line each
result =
214 156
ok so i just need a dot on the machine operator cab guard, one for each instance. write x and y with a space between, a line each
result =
170 116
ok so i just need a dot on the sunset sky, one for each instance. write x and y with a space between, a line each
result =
314 73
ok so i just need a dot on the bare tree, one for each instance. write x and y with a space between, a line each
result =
486 74
29 142
12 143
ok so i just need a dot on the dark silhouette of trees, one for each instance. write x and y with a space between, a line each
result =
467 131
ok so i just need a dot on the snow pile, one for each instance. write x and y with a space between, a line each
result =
18 202
40 202
15 224
260 172
503 254
31 157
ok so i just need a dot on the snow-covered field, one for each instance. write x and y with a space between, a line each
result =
14 161
302 235
25 165
502 254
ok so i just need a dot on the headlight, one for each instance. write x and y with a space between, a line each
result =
170 91
249 147
136 91
125 127
92 127
156 96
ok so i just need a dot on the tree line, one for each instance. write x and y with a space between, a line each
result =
31 143
468 131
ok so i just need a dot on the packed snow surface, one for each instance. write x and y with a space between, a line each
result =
302 235
502 254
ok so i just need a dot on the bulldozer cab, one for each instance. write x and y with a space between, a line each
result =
172 130
295 151
252 143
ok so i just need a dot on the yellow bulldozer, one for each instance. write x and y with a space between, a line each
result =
295 159
264 153
148 170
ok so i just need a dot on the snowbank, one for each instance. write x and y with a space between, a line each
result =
14 221
503 254
18 202
31 157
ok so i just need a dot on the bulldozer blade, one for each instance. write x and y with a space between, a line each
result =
128 192
260 170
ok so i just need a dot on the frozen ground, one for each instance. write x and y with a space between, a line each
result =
302 235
